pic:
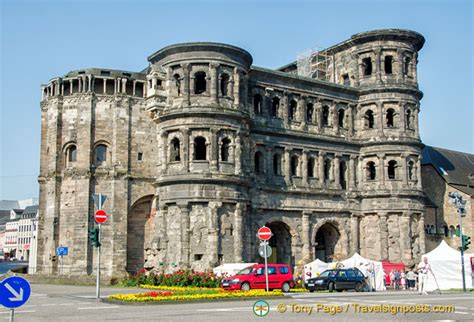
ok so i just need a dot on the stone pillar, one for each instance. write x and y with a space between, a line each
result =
416 125
351 172
354 234
213 147
89 86
383 235
238 154
337 178
164 150
269 166
213 233
124 85
186 149
186 85
116 87
321 168
301 111
134 87
413 66
284 106
236 93
404 227
185 236
318 115
62 88
105 86
421 229
355 59
403 125
335 118
79 79
304 168
378 64
214 88
399 69
381 118
350 120
238 233
418 174
306 237
404 172
360 170
71 85
161 227
381 170
287 168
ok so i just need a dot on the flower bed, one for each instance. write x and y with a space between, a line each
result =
178 278
194 295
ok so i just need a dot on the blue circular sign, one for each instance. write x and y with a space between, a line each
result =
14 292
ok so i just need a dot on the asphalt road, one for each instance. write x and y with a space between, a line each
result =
77 303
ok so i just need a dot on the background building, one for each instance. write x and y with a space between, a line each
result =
445 171
201 148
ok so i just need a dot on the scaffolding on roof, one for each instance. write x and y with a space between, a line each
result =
313 63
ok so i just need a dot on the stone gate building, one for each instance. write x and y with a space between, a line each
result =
201 148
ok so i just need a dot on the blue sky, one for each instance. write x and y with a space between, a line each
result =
43 39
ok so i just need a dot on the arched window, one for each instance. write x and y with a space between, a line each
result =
175 154
411 168
342 175
71 153
177 82
406 66
392 166
390 117
224 84
309 113
257 104
325 116
277 164
408 119
327 169
200 83
310 169
100 154
258 162
340 117
292 112
371 174
200 150
367 66
369 119
225 149
388 64
275 106
446 231
294 165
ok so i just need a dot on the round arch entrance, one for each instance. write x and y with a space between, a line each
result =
280 243
138 233
327 238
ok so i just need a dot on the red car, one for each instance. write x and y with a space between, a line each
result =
253 277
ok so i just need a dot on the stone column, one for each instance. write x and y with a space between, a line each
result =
354 234
404 171
164 150
355 59
418 174
413 66
238 154
402 116
70 86
360 174
351 172
337 179
287 168
238 233
105 86
383 235
213 153
378 64
214 88
335 118
186 84
318 115
321 167
304 168
124 85
89 86
404 227
381 118
381 170
350 120
161 227
186 149
421 229
79 79
62 88
213 233
236 93
284 106
399 69
185 236
134 87
416 125
306 236
269 163
301 111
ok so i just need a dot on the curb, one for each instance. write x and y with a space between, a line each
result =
236 299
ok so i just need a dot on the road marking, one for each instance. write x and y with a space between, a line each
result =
460 307
29 305
16 311
461 312
67 304
98 307
51 304
246 308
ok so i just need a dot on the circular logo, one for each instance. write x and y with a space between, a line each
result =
261 308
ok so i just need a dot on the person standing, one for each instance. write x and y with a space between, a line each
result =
392 279
423 268
411 277
403 281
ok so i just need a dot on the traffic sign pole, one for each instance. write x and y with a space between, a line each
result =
97 290
12 314
266 268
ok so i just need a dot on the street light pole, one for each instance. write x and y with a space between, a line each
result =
458 202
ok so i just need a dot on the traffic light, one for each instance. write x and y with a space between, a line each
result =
94 237
466 241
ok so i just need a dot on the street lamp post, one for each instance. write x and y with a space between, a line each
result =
456 199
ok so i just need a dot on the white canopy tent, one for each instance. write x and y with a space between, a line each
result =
317 267
446 266
230 268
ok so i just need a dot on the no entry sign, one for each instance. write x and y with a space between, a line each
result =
264 233
100 216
